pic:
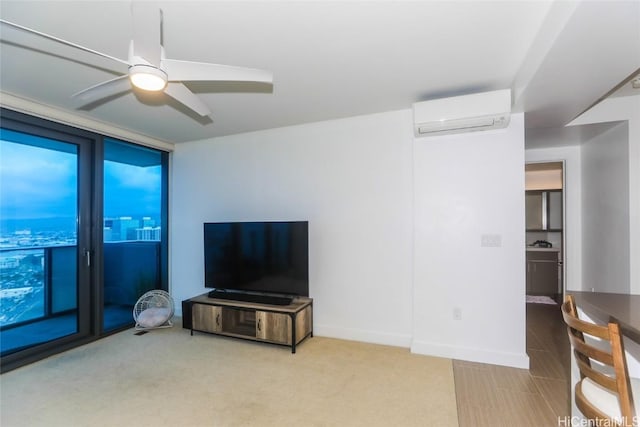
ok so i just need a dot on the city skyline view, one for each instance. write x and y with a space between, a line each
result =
38 194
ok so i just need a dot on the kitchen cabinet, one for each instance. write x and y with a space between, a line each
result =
544 210
542 272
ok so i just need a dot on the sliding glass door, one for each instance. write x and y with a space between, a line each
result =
83 234
134 227
44 237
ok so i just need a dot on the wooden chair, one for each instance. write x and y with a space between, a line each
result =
601 394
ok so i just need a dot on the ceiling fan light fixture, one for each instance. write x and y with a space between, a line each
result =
147 77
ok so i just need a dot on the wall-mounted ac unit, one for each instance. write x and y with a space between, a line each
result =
468 113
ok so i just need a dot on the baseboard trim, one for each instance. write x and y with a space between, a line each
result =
515 360
373 337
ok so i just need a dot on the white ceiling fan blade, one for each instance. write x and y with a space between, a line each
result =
147 20
201 71
103 90
182 94
62 41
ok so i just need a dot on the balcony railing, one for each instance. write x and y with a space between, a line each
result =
41 282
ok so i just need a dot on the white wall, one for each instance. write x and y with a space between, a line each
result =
601 250
573 207
467 186
626 108
605 211
353 180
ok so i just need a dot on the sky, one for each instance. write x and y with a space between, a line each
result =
37 182
131 190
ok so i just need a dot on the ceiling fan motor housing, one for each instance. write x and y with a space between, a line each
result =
147 77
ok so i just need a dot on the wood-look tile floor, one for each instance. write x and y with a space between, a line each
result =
492 396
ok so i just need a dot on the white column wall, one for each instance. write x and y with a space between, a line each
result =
626 108
465 187
605 211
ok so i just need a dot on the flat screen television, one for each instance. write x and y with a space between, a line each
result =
251 260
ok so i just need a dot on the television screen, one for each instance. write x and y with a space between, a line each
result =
269 257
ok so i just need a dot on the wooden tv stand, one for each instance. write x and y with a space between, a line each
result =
277 324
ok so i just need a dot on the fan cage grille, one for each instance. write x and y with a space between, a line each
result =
155 298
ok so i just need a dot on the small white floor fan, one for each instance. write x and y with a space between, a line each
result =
153 310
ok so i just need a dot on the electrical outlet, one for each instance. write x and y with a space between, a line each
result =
457 313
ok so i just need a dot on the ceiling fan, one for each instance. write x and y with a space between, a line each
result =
150 70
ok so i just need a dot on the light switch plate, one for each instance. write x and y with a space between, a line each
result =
491 240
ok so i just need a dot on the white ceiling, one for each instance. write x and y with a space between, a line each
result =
329 59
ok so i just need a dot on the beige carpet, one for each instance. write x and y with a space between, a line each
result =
169 378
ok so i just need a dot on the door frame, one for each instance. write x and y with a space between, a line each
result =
564 219
86 286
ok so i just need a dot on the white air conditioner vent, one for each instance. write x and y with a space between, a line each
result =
481 111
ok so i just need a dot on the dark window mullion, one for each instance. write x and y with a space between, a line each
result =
48 283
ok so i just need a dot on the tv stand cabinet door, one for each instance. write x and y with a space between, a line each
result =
206 318
273 327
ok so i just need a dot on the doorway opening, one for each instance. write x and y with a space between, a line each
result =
545 243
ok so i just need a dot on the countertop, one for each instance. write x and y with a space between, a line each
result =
537 249
623 308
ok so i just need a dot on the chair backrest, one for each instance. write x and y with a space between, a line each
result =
585 353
